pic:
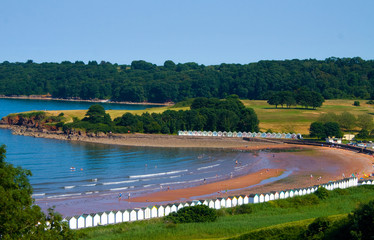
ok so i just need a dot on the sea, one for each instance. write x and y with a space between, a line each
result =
62 169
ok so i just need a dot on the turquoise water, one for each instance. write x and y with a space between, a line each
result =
64 169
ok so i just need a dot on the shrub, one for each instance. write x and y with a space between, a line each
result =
362 221
356 103
370 102
244 209
322 193
317 229
199 213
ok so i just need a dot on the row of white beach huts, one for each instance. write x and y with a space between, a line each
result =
128 215
240 134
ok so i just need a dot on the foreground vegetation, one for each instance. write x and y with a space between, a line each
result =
271 220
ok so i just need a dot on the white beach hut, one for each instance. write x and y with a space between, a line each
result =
119 217
262 198
154 211
292 193
147 212
180 206
96 219
81 221
89 220
161 211
73 222
266 197
174 208
240 200
271 196
228 202
234 201
223 202
140 214
245 199
308 190
133 215
211 203
111 217
286 194
217 203
126 215
104 218
167 209
186 204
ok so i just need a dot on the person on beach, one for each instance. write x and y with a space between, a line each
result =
204 180
129 196
119 196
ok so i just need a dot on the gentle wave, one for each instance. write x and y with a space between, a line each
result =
65 195
69 187
89 185
117 189
148 185
113 183
211 166
158 174
38 194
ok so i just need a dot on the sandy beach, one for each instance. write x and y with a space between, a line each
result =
287 170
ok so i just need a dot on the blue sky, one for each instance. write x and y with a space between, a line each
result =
203 31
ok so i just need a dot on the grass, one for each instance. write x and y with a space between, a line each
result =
295 119
266 216
298 119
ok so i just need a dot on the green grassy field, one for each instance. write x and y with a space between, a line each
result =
265 217
299 119
295 119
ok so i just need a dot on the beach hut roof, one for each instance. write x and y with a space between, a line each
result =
253 194
84 215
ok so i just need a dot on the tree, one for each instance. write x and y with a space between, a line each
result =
365 121
362 220
332 129
347 120
274 100
96 114
19 217
317 129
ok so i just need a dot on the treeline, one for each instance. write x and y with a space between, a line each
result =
144 81
205 114
302 97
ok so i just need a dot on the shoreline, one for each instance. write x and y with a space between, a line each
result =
320 162
151 140
287 172
82 100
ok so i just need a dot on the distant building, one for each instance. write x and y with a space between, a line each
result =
348 137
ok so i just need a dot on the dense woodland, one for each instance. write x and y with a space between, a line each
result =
144 81
210 114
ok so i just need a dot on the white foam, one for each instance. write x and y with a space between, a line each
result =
117 189
69 187
113 183
148 185
175 176
38 194
89 185
89 192
65 195
158 174
211 166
